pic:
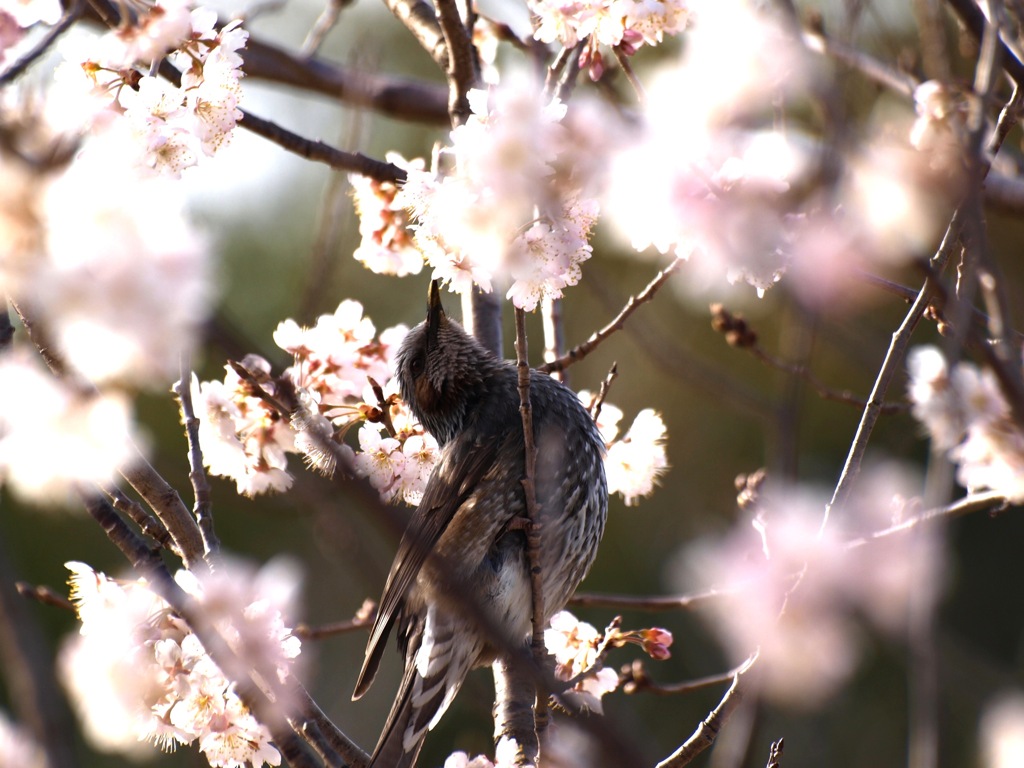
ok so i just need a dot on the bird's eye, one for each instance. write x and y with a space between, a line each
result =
416 366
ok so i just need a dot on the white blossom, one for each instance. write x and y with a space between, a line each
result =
53 439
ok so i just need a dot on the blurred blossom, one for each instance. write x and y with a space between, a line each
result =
462 760
26 13
797 593
512 208
940 127
610 22
386 246
967 415
635 461
125 286
54 439
137 673
567 745
1002 732
17 748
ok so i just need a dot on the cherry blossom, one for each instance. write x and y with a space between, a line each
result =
86 437
967 415
137 672
387 247
17 747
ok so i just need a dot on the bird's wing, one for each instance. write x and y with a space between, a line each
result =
462 466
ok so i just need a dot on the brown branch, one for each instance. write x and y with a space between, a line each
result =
324 23
740 335
533 533
363 618
580 351
383 405
25 658
203 507
638 603
595 409
147 523
463 63
893 79
419 18
44 595
339 160
391 95
634 679
710 727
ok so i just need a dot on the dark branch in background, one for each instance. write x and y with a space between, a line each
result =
44 595
901 338
389 95
32 689
362 620
203 507
71 14
580 351
871 68
973 18
740 335
325 22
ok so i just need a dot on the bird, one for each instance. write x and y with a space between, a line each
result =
468 528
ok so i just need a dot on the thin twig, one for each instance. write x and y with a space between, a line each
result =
646 603
554 332
709 728
627 70
44 595
383 405
595 409
339 160
533 534
635 680
148 524
203 507
18 68
895 80
324 23
579 352
420 19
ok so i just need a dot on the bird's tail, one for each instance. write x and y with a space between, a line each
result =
439 657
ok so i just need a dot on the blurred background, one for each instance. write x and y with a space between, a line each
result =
284 231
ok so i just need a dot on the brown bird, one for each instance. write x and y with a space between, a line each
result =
465 530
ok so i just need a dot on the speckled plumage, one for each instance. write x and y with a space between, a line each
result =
468 399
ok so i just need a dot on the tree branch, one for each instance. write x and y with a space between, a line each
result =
580 351
203 507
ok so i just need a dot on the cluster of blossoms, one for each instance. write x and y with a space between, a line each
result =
578 647
513 208
172 126
798 594
967 415
342 372
137 673
386 246
625 24
636 460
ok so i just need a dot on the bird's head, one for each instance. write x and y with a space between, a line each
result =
441 370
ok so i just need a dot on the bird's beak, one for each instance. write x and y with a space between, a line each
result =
435 312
